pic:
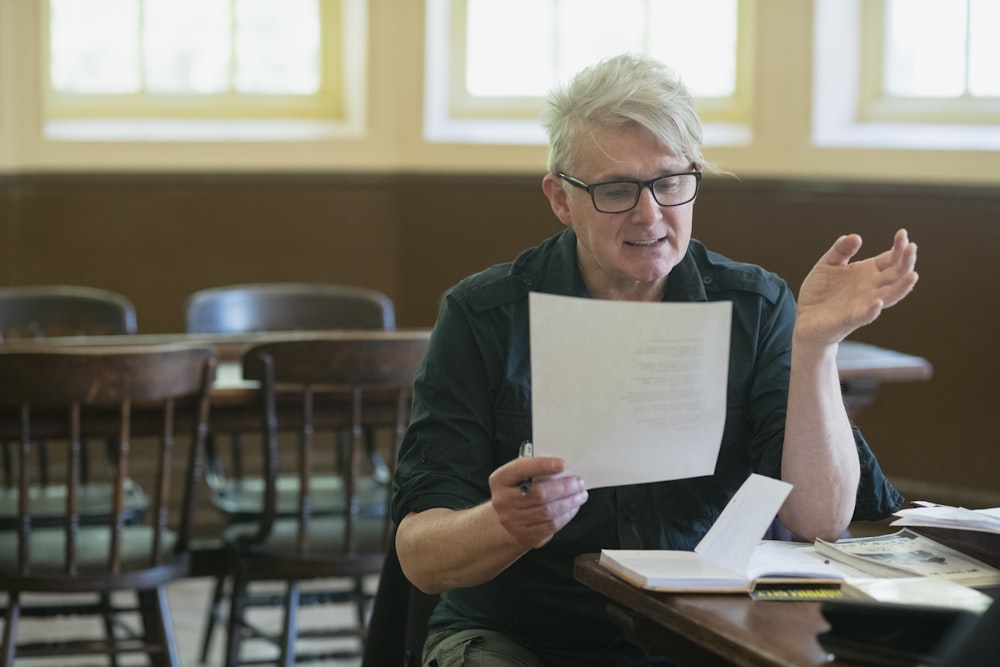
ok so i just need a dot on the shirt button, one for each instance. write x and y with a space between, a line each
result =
707 280
629 515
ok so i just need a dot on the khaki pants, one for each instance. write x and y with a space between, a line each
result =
475 648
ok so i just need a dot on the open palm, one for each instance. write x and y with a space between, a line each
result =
839 296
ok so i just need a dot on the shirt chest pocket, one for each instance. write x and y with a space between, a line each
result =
513 426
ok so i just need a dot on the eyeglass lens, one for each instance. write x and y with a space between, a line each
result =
667 191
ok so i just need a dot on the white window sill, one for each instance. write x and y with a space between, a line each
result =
198 130
907 136
531 133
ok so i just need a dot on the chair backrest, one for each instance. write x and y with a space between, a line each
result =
288 307
43 311
135 394
371 379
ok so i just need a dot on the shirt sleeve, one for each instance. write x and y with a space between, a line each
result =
457 434
767 409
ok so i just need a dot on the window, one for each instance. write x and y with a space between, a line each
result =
495 61
200 59
906 74
930 61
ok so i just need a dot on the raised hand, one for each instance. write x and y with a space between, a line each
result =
839 296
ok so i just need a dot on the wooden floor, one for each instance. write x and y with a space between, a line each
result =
188 604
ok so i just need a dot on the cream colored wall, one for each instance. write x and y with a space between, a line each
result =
392 141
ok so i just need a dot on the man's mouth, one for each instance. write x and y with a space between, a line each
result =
646 244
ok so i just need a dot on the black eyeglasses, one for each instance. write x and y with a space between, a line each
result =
621 196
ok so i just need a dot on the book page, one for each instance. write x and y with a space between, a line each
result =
779 559
629 392
731 540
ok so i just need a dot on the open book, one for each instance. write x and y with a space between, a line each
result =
785 566
908 554
731 557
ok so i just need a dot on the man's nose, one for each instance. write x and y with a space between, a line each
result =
647 207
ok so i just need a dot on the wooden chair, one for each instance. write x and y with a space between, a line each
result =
139 394
44 311
275 307
288 307
298 378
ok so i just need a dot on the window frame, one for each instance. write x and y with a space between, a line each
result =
875 104
329 103
453 114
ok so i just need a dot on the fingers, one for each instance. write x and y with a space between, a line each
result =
548 506
896 267
512 473
902 255
842 250
549 502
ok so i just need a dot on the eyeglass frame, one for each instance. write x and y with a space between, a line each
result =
577 183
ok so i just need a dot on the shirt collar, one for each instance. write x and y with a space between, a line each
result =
685 282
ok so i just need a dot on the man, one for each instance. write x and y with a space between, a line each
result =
624 167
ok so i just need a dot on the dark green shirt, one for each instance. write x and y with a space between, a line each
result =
472 408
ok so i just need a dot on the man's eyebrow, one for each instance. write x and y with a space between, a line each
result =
614 177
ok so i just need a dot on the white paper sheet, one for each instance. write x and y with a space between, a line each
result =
629 392
731 540
945 516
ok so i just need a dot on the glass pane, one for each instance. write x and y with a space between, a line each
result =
492 67
698 39
277 46
913 69
984 48
94 46
556 38
593 29
186 46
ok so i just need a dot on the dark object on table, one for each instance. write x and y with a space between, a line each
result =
892 635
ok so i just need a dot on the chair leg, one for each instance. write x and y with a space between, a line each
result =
290 631
360 603
157 627
11 618
212 617
108 616
237 607
380 470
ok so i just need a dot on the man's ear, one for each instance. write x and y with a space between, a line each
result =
553 188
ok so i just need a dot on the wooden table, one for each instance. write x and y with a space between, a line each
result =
713 629
234 402
229 347
864 367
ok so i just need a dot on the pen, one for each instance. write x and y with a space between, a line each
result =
526 449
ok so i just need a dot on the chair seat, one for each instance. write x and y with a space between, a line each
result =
325 543
48 504
243 499
48 552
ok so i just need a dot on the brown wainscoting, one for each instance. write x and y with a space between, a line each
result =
159 237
